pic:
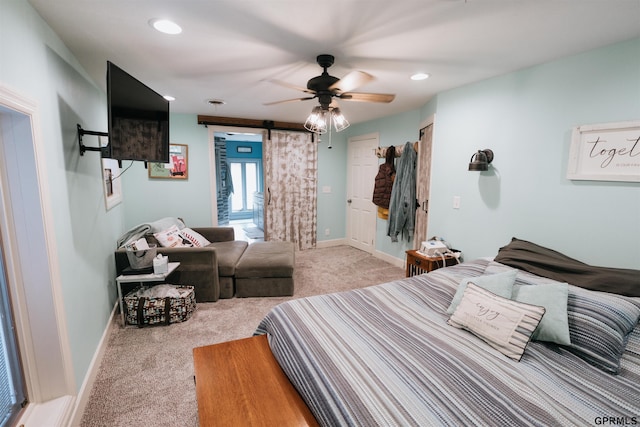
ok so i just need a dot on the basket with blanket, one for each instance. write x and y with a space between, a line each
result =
159 305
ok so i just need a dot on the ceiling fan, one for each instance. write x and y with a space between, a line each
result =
326 87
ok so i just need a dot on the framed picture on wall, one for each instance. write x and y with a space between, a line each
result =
111 182
605 152
178 166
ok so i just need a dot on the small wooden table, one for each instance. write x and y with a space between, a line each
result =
239 383
418 263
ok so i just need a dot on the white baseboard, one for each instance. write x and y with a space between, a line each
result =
92 373
389 258
330 243
53 413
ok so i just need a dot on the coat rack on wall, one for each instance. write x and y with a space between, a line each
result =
381 152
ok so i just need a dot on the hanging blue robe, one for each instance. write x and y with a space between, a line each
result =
402 207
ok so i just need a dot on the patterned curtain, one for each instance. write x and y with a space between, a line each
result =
291 175
423 174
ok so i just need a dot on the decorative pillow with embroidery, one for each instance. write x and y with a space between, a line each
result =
504 324
196 239
170 238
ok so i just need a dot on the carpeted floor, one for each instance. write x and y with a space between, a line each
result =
146 376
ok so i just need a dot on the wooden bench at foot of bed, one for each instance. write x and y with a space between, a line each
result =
239 383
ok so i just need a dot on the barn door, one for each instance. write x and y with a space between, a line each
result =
423 180
291 176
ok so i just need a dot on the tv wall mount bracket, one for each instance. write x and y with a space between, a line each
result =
83 148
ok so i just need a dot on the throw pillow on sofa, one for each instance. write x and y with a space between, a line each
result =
196 239
171 238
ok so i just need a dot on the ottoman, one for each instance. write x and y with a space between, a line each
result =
265 269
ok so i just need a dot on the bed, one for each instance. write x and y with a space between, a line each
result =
390 354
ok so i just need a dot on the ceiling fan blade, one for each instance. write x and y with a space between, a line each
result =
351 81
289 100
367 97
290 86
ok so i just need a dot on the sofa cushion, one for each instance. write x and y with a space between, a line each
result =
267 259
228 255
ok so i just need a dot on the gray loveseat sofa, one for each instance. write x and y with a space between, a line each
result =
210 269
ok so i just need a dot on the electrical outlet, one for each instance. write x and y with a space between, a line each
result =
327 232
456 202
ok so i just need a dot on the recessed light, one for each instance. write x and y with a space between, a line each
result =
169 98
420 76
165 26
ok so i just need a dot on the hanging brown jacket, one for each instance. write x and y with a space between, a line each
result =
384 180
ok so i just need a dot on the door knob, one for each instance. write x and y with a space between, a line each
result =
349 201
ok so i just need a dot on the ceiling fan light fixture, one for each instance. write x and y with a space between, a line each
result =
339 120
420 76
165 26
317 121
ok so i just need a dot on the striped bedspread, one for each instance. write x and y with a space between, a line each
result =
385 356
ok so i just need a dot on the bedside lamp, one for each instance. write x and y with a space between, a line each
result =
480 160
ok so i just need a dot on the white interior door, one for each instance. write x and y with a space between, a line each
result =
362 168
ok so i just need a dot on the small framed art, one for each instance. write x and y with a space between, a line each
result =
178 166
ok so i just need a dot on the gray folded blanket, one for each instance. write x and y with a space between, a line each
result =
151 227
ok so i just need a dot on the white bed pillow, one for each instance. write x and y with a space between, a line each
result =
196 239
170 238
504 324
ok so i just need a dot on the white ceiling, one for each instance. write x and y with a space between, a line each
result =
229 49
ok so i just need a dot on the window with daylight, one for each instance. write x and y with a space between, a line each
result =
245 178
12 394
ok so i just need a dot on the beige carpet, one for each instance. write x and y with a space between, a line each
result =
146 376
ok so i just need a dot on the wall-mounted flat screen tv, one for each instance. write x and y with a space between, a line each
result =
138 119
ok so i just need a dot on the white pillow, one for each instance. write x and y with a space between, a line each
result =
195 238
504 324
170 238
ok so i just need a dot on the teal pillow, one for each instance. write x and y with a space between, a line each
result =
554 326
500 284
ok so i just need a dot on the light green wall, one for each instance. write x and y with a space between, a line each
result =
332 173
526 118
35 64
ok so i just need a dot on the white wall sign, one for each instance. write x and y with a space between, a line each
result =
605 152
